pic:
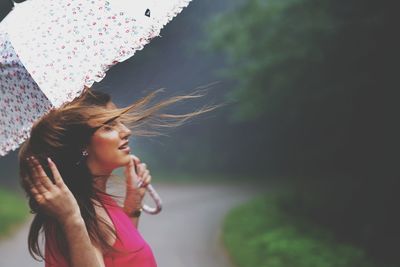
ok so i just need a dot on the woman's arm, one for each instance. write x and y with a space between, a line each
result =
81 250
135 221
58 201
135 172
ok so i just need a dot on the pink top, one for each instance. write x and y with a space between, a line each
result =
134 249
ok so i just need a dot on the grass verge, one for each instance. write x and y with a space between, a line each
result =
13 211
259 233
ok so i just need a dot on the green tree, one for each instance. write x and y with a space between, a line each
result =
322 75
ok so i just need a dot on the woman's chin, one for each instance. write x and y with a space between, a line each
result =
122 158
126 159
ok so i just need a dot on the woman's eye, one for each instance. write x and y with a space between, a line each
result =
111 125
108 126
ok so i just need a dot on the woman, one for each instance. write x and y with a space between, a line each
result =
64 168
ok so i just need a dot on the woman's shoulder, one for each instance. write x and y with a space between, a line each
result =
107 200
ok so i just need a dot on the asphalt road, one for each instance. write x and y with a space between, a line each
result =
185 234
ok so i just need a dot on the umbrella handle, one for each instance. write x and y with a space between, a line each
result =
154 195
157 200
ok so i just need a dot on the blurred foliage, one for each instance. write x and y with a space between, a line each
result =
320 80
320 75
13 211
288 54
359 211
271 46
261 233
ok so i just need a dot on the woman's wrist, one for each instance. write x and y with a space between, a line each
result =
72 221
133 213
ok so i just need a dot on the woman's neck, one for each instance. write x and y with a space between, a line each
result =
100 174
101 182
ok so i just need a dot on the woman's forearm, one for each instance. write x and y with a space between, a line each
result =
82 253
135 221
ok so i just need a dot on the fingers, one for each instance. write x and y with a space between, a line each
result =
56 174
36 181
145 179
131 162
136 159
42 176
128 176
135 162
142 167
130 167
140 173
28 183
130 173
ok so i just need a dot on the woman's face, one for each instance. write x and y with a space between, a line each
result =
108 148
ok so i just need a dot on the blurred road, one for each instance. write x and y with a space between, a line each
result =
185 234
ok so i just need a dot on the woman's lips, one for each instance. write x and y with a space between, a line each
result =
125 149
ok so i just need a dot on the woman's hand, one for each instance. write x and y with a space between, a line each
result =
136 182
54 198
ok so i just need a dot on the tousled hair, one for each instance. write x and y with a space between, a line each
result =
63 133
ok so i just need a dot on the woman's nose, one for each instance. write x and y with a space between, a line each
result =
125 131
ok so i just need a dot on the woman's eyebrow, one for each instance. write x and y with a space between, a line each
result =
104 123
110 120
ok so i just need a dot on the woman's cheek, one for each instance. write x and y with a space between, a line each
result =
102 147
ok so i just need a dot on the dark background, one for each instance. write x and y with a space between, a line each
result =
313 95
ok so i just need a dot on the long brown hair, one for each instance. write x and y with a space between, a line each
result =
63 133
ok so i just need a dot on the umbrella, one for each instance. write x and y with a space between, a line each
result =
50 50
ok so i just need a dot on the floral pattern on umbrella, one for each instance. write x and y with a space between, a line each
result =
21 101
65 45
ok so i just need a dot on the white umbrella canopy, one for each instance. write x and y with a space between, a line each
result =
50 50
21 100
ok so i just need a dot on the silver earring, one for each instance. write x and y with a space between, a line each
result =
84 155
